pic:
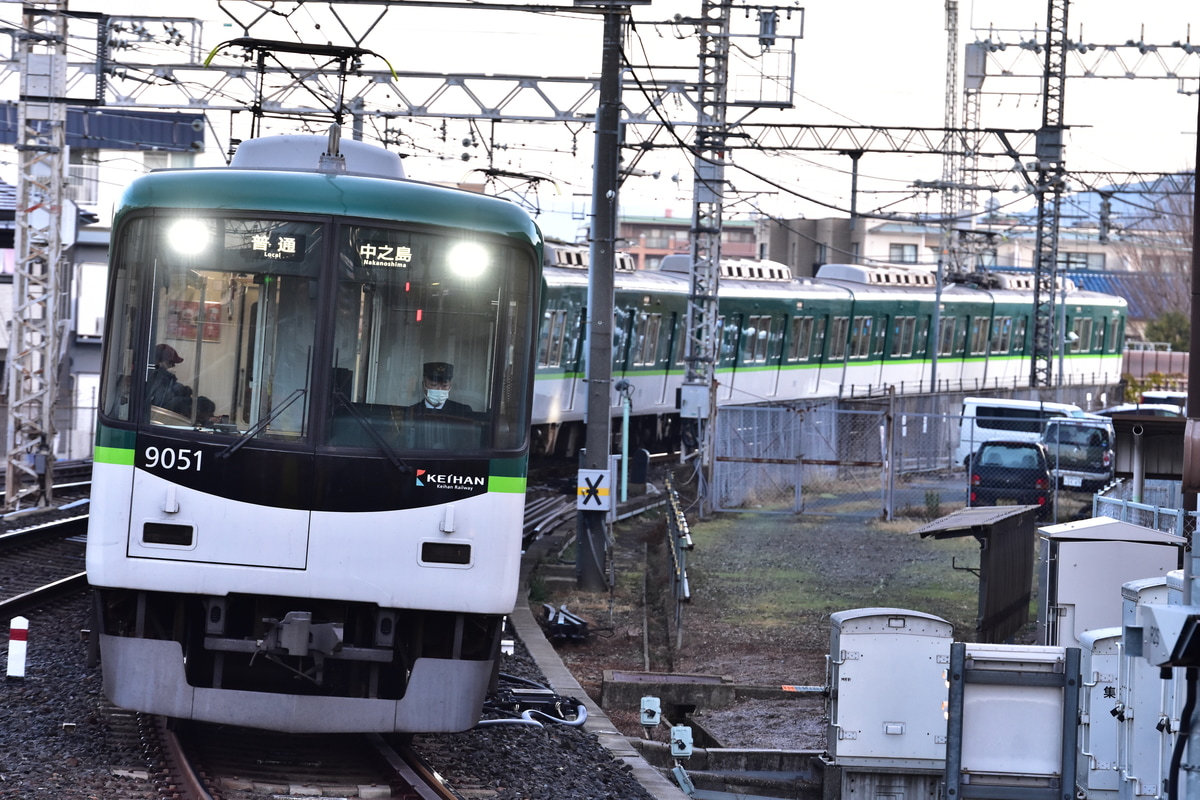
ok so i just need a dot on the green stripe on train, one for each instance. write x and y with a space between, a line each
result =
499 483
113 455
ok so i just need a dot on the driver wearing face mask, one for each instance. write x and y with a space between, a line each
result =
436 378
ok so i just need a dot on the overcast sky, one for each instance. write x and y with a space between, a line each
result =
860 62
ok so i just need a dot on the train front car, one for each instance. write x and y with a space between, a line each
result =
284 533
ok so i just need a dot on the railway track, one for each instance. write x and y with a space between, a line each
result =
41 576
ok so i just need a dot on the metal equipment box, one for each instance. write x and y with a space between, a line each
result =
1084 564
887 681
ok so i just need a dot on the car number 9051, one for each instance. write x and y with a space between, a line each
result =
170 458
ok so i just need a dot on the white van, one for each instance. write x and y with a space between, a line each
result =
988 418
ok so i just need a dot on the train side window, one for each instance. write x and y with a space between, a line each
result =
881 330
818 342
1114 329
550 350
1018 335
649 327
1082 328
903 333
730 334
838 338
979 335
1001 335
861 337
758 332
800 341
947 335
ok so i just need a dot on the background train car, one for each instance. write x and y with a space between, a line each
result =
284 539
853 331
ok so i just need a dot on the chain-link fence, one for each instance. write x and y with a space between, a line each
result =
785 460
901 455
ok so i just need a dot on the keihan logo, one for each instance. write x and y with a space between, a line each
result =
449 480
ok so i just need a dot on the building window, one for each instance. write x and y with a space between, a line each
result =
902 253
164 159
1079 261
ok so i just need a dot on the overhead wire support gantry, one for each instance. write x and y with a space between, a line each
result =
39 270
1051 177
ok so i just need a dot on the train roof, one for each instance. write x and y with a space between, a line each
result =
733 268
298 192
889 276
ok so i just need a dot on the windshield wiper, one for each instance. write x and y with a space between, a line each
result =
261 425
387 449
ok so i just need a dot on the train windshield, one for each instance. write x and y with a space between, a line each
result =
428 339
224 330
228 307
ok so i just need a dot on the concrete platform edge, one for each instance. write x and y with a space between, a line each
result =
598 723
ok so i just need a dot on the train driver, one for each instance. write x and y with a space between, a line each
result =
435 385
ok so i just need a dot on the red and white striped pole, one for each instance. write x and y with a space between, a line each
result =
18 636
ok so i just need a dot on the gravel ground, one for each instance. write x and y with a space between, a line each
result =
54 739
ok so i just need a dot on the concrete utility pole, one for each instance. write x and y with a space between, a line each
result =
33 354
595 495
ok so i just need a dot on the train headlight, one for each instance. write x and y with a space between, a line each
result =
189 236
468 259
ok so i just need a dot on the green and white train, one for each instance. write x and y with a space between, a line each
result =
853 331
277 538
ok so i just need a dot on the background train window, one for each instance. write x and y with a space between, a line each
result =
550 349
881 329
1114 332
946 336
1018 335
800 340
903 333
649 327
979 336
837 337
757 332
1001 335
861 337
1082 328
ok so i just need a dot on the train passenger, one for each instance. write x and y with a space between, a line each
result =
205 411
163 388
